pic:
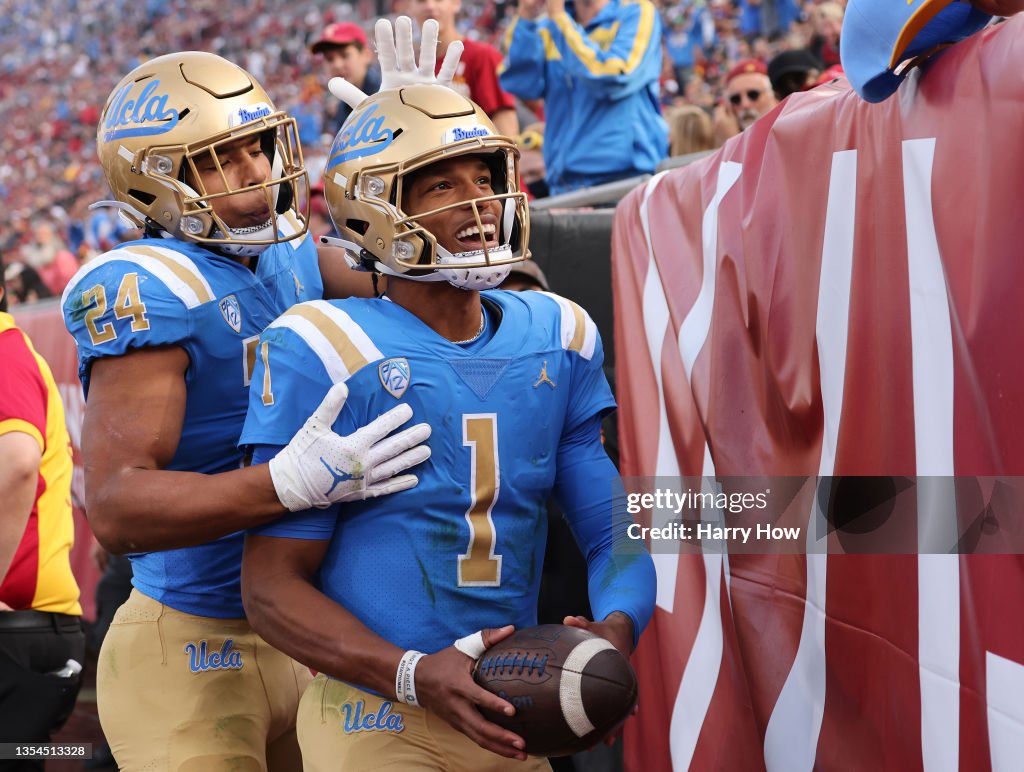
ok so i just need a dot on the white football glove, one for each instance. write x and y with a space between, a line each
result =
319 468
398 60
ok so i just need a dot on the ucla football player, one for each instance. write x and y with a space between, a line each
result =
392 600
167 331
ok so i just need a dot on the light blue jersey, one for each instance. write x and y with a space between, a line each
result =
157 292
515 417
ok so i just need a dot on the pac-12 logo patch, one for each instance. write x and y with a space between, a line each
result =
232 312
394 375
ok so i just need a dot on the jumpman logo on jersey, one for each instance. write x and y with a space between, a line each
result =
544 377
338 475
298 286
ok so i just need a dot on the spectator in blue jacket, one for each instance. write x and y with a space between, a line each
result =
596 65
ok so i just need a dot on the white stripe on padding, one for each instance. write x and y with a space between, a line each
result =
570 690
200 292
572 313
349 336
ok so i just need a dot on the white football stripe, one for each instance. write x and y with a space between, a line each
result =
570 690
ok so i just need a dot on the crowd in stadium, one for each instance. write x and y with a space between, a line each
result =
59 61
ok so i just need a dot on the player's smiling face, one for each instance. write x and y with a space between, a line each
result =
241 163
449 182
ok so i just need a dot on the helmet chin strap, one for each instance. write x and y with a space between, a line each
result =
463 278
474 278
240 246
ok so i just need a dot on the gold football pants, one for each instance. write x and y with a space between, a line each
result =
182 693
344 728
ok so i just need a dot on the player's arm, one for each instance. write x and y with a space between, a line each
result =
523 69
631 62
620 572
130 434
340 281
285 607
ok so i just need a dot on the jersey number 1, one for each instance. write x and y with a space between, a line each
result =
479 566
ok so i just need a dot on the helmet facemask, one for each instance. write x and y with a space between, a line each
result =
286 189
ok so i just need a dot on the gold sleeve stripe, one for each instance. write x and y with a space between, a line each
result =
614 65
577 330
551 52
346 349
508 34
341 345
11 425
580 331
182 269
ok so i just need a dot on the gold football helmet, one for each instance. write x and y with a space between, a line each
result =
171 110
389 136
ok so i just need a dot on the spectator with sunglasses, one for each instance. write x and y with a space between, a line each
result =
748 95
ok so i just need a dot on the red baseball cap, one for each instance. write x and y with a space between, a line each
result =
745 67
339 34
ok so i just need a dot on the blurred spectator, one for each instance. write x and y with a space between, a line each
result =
531 160
48 254
308 114
768 18
477 76
597 71
826 23
689 130
689 34
24 284
346 54
792 71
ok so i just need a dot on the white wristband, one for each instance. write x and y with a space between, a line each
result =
405 677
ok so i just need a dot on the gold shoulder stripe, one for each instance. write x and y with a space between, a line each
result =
580 332
551 52
181 272
337 337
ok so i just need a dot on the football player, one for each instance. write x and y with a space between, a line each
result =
372 595
167 333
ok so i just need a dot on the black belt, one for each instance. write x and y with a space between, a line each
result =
30 619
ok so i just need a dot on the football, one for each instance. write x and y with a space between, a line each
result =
570 688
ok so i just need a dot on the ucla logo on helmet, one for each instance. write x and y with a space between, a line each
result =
394 375
231 312
249 113
139 115
363 136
